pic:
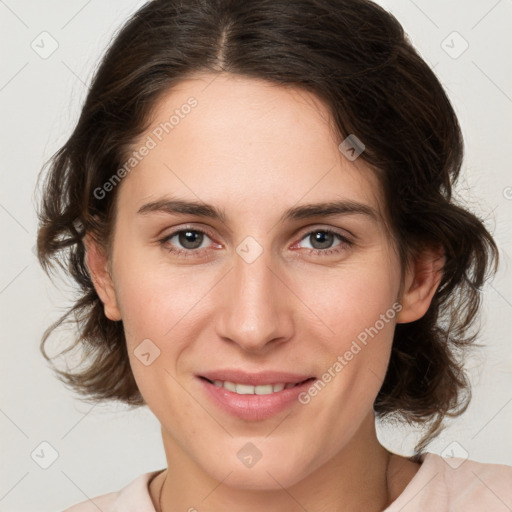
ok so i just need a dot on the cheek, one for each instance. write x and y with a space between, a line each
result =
351 299
162 310
360 309
154 299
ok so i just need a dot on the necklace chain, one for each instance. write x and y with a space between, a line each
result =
160 494
387 485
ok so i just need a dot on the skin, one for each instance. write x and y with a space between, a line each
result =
255 149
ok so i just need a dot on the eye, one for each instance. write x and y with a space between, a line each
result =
189 239
186 242
325 241
196 242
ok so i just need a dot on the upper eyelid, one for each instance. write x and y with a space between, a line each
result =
307 231
181 230
337 231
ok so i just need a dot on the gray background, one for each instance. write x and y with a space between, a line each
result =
101 448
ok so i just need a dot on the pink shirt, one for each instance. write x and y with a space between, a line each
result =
440 485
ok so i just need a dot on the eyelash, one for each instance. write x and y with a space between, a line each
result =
344 243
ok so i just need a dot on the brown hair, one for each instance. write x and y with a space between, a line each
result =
355 56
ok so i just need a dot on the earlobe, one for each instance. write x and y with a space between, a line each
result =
96 262
421 283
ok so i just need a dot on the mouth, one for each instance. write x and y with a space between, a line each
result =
261 389
253 397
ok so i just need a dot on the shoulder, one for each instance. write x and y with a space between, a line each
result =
134 497
456 484
474 485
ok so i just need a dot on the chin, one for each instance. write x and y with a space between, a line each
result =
264 475
260 480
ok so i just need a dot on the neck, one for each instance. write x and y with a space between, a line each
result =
356 478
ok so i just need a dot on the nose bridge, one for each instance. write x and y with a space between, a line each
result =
255 311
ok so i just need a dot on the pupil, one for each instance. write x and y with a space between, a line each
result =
190 239
321 240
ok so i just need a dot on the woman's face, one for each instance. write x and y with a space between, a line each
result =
249 249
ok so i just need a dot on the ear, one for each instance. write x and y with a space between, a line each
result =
97 264
421 282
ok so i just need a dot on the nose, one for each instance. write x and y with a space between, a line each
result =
256 309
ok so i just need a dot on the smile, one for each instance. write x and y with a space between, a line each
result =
258 397
247 389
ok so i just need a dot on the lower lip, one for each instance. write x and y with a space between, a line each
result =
253 407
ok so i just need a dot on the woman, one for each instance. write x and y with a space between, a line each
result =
256 203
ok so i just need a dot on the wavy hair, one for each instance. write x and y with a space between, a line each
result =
353 55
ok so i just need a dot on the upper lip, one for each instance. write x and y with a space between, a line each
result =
254 379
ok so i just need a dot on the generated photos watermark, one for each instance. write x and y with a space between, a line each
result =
151 142
343 360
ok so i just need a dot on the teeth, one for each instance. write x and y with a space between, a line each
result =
230 386
276 388
247 389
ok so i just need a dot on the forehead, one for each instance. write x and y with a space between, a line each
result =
247 140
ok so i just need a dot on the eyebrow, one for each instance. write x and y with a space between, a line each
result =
306 211
179 206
